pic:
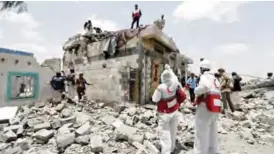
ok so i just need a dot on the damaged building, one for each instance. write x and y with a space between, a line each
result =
125 65
22 79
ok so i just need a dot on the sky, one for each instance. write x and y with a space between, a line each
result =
238 36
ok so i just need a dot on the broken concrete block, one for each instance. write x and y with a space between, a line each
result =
64 140
84 129
14 128
39 104
108 119
24 144
60 107
66 113
15 150
14 121
83 140
64 130
68 120
45 125
96 143
10 136
56 123
82 118
137 138
43 135
151 147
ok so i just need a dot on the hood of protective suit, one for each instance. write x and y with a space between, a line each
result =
169 78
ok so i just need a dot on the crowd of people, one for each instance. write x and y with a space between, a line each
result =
229 85
68 85
209 92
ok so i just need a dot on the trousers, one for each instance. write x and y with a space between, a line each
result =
168 124
205 131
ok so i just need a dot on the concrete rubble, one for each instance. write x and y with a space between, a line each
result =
132 130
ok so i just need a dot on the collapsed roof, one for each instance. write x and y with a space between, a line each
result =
109 42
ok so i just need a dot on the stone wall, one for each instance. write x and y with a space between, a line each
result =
110 83
53 63
12 65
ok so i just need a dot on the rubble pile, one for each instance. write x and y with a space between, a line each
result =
96 127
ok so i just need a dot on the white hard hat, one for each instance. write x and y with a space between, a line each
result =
205 64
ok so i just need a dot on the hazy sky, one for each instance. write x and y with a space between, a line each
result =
234 35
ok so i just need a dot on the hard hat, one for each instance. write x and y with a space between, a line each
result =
205 64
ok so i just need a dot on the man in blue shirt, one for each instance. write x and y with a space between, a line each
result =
192 82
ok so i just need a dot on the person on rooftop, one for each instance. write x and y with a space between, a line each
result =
136 16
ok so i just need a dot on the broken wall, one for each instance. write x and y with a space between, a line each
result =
22 79
110 83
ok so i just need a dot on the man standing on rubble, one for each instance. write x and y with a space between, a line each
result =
136 16
208 108
226 87
58 84
71 83
168 96
81 86
192 82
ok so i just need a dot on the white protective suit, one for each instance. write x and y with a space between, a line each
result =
205 125
168 122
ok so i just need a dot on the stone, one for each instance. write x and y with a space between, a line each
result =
44 135
151 147
96 144
66 113
14 128
108 119
14 121
137 138
64 140
83 140
84 129
39 104
45 125
60 107
24 144
56 123
64 130
82 118
10 136
68 120
15 150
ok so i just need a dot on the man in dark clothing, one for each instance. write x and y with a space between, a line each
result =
192 83
58 82
136 16
236 82
81 86
88 25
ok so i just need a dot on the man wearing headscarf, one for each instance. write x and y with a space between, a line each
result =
168 96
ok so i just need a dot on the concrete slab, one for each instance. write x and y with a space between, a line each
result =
7 113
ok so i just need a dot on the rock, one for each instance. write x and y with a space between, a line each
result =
83 140
151 147
247 124
24 144
14 121
64 140
108 119
60 107
45 125
84 129
96 143
39 104
10 136
15 150
66 113
68 120
56 123
137 138
14 128
43 135
82 118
